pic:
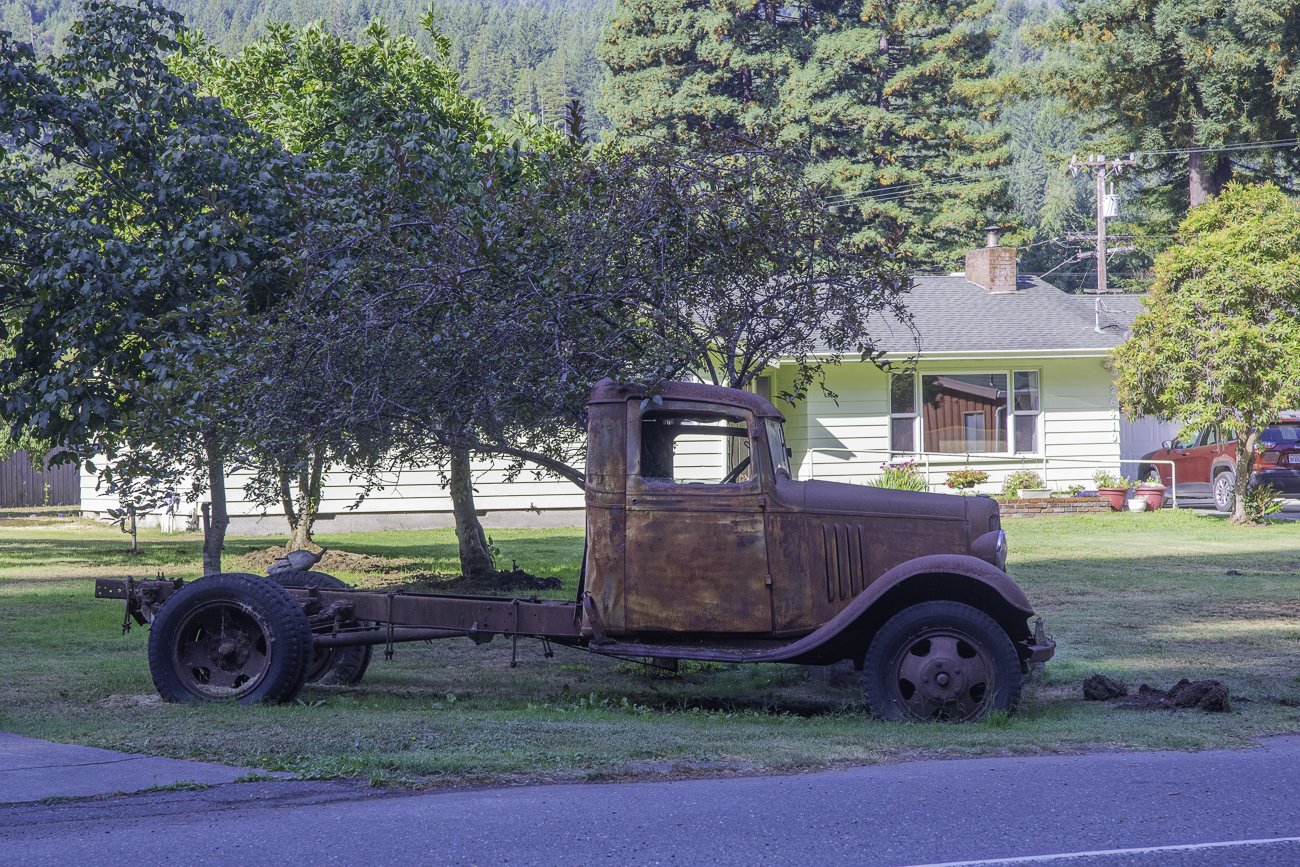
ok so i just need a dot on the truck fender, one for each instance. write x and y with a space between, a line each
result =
932 577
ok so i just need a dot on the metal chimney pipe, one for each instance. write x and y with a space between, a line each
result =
994 236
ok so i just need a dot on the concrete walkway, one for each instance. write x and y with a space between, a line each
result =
32 769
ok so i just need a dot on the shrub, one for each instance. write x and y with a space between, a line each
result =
1260 503
1021 479
966 478
903 477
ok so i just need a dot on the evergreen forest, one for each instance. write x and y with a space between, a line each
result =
924 121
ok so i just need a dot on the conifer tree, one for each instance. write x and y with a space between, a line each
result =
888 97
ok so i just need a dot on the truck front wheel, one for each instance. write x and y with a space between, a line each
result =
231 637
941 661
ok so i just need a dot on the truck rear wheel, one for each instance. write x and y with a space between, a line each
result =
329 666
941 661
229 637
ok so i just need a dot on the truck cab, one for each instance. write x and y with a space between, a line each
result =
701 544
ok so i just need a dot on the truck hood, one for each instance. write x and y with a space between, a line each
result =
822 496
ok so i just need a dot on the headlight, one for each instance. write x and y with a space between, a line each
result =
992 548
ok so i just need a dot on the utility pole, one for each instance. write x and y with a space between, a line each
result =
1107 205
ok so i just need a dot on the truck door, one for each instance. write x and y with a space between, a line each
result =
696 558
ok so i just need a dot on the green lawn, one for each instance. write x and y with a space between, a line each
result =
1143 598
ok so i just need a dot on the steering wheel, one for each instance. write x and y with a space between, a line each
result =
735 474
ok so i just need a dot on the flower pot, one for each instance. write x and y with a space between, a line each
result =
1035 493
1117 496
1153 494
1137 504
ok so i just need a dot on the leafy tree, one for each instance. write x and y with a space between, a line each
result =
1215 342
640 262
1174 75
374 118
131 208
888 97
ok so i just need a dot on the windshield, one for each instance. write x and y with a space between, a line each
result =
776 441
1278 434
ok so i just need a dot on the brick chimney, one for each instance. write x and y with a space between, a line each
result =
993 267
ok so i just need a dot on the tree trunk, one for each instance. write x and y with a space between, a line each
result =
308 503
1245 462
475 561
286 501
1207 176
214 534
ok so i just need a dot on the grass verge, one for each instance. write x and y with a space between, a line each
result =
1143 598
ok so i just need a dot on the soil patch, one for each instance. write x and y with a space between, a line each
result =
1099 687
333 561
503 581
1207 695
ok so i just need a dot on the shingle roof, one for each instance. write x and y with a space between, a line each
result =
952 314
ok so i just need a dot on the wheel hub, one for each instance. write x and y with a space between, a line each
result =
941 674
221 650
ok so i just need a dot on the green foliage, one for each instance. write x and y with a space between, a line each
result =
131 208
903 476
1213 343
1106 479
1012 484
1166 75
880 96
966 478
512 56
378 106
1260 502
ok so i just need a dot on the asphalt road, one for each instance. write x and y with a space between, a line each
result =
1019 810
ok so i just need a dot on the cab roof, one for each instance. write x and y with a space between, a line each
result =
609 391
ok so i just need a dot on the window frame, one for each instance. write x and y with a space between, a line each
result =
1014 416
914 415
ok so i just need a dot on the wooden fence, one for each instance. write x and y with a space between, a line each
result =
22 487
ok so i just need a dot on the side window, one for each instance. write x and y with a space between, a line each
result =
1211 437
902 412
695 448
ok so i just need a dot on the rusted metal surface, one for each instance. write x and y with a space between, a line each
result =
221 650
748 565
945 674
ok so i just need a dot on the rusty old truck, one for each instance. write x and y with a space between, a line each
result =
701 545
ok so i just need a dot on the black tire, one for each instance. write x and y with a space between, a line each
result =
329 666
230 636
1225 491
941 661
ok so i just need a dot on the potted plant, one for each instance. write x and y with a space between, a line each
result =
1026 485
1113 488
1153 492
965 479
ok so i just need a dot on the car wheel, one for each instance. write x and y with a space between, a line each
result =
1225 491
941 661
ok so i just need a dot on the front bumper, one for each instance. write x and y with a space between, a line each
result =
1038 648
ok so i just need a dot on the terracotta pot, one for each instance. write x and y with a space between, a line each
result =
1153 494
1117 496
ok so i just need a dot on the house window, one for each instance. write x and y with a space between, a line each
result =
902 412
964 412
1027 409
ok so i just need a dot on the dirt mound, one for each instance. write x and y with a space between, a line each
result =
333 561
504 581
1207 695
1099 687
